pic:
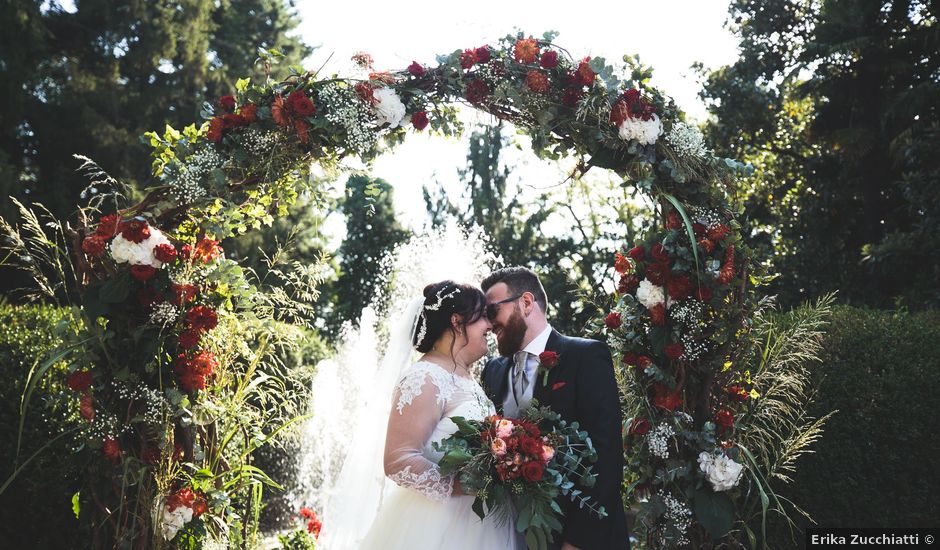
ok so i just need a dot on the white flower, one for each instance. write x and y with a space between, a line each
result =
389 109
649 294
125 251
174 520
722 472
644 131
687 140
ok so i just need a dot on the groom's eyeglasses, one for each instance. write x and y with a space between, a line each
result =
492 310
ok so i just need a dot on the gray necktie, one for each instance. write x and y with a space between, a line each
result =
520 377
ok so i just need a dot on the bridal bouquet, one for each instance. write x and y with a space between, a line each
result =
524 464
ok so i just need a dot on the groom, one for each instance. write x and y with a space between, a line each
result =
581 388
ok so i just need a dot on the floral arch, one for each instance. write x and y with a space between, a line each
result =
158 297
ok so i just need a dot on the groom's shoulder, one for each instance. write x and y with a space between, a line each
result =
581 344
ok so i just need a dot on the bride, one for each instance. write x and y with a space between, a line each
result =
420 508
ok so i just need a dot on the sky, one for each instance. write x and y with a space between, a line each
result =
668 35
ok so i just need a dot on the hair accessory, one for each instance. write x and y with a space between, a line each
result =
440 299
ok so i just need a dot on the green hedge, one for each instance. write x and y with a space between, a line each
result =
35 509
876 464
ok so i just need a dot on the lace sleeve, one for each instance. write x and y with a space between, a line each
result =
419 398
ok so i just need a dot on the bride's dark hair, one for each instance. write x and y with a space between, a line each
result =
441 301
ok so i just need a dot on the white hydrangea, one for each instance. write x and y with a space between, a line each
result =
644 131
389 109
649 294
125 251
175 520
722 472
687 140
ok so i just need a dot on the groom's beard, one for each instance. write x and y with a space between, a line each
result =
511 335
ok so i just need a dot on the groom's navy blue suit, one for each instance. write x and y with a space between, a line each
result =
581 388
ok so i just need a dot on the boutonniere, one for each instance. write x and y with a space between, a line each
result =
547 360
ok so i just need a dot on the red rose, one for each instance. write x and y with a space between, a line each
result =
204 363
628 283
86 407
477 91
215 130
537 81
629 358
300 104
143 272
548 359
643 362
674 351
639 426
468 58
108 225
724 419
572 97
658 315
181 499
483 54
698 229
227 103
94 246
718 231
637 253
679 287
532 471
703 294
525 50
112 450
183 294
672 220
549 59
665 399
657 273
249 112
202 318
585 74
206 250
199 506
738 393
416 69
166 253
136 231
532 446
613 320
189 339
419 120
80 380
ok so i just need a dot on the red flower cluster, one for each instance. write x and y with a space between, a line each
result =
526 50
93 245
142 272
165 253
613 320
290 113
112 449
419 120
186 497
666 399
549 59
80 380
630 105
135 230
183 293
313 522
724 419
86 407
193 370
477 91
229 120
202 319
537 81
206 250
416 69
519 448
738 393
674 351
639 426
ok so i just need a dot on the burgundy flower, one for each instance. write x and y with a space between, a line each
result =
166 253
658 315
147 297
537 81
419 120
703 294
249 112
679 287
628 284
483 54
672 220
94 245
112 449
621 263
639 426
416 69
572 97
549 59
525 50
738 393
183 294
657 273
548 359
637 253
300 104
613 320
666 399
477 91
189 339
231 121
629 359
659 253
227 103
717 231
108 225
585 74
532 471
724 419
202 318
468 59
215 130
136 230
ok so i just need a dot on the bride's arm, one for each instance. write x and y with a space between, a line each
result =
417 411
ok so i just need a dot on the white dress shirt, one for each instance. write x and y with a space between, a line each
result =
535 347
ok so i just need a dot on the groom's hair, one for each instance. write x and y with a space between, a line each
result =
519 279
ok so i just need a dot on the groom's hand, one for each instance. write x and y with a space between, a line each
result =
569 546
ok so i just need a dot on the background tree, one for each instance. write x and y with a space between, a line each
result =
372 231
836 104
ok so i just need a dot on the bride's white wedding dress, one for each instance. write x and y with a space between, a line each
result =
419 511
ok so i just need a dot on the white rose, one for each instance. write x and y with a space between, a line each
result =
125 251
649 294
389 109
644 131
722 472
